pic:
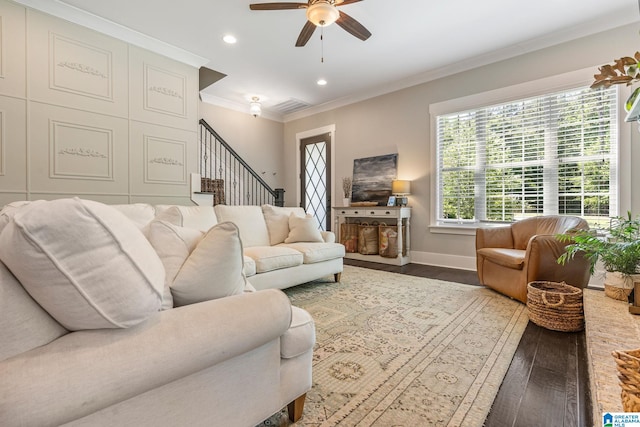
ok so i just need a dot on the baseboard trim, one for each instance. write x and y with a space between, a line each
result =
444 260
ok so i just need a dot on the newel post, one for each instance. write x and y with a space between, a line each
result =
279 201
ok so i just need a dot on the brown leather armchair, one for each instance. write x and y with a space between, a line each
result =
510 257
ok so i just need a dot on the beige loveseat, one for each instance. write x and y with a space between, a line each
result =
84 340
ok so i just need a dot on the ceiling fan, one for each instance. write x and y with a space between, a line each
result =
320 13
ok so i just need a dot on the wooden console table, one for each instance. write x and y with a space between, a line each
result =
390 215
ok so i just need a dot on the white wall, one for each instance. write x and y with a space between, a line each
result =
82 113
399 122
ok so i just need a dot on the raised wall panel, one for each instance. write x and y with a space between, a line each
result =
13 144
73 66
80 152
12 50
162 91
161 159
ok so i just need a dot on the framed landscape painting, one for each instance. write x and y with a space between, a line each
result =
372 178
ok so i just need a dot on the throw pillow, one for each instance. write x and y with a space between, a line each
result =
277 219
303 229
214 268
84 262
173 245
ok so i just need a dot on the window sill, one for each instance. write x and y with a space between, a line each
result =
464 229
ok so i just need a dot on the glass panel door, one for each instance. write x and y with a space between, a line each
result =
315 178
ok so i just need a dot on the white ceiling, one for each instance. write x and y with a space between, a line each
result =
413 41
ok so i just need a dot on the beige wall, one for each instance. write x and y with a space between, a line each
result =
84 114
256 139
399 122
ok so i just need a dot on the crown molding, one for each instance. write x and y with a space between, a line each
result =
77 16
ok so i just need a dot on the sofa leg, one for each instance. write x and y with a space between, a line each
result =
337 276
296 407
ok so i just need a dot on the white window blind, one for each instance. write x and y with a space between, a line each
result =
552 154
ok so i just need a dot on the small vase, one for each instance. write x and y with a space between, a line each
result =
346 202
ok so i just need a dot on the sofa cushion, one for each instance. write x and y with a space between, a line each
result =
214 268
301 335
303 229
277 219
24 325
250 221
141 214
269 258
173 245
199 217
512 258
317 252
84 262
249 266
8 211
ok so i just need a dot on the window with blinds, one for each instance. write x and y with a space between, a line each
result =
552 154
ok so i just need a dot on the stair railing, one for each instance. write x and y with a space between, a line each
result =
228 176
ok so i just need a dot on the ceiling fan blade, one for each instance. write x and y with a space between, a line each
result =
343 2
305 34
277 6
352 26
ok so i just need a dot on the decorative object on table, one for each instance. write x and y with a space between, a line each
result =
628 364
555 305
346 190
361 204
388 240
625 70
401 188
372 178
349 236
391 201
368 238
619 251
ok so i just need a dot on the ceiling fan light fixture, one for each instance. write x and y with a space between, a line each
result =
322 13
255 108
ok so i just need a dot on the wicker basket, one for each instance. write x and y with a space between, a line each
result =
555 306
628 362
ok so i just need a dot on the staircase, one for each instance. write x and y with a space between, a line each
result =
226 178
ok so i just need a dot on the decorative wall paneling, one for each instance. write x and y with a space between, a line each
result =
12 50
13 145
89 115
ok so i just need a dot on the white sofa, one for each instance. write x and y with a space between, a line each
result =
270 262
84 341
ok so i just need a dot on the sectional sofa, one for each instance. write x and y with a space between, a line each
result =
135 315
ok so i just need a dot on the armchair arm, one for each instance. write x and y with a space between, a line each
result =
85 371
541 262
494 237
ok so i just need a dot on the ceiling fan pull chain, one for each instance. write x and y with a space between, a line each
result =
322 44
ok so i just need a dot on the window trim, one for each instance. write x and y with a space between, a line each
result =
516 92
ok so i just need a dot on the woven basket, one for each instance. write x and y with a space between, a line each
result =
555 306
628 362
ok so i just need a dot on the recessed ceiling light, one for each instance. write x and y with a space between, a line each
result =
229 39
321 82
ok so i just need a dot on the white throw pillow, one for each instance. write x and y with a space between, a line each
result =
303 229
277 219
84 262
174 245
214 268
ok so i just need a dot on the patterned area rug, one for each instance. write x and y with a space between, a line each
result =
397 350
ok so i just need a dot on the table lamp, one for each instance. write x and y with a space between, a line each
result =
401 189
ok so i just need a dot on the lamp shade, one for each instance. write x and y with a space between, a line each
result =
254 107
322 13
400 186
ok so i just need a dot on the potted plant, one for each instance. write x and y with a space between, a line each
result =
618 250
346 190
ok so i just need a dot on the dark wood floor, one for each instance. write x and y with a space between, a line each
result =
547 383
